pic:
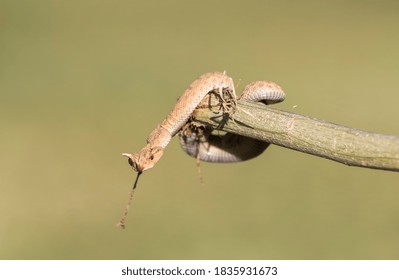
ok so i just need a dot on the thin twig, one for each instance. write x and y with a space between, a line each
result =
122 221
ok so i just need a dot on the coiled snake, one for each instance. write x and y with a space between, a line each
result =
201 143
211 148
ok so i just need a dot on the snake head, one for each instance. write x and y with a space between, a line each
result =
145 159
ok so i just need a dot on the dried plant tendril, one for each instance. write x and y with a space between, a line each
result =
122 221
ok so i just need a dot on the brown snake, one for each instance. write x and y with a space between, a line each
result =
200 142
208 147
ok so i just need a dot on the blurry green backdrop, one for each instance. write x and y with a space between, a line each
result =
83 81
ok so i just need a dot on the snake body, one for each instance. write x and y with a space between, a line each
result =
232 147
207 146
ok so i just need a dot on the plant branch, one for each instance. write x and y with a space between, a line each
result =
309 135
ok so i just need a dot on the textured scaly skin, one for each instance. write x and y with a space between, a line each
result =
184 107
231 147
212 148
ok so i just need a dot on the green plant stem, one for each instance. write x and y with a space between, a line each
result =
309 135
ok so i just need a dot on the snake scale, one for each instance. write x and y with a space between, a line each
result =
198 141
206 146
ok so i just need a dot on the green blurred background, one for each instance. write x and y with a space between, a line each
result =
83 81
